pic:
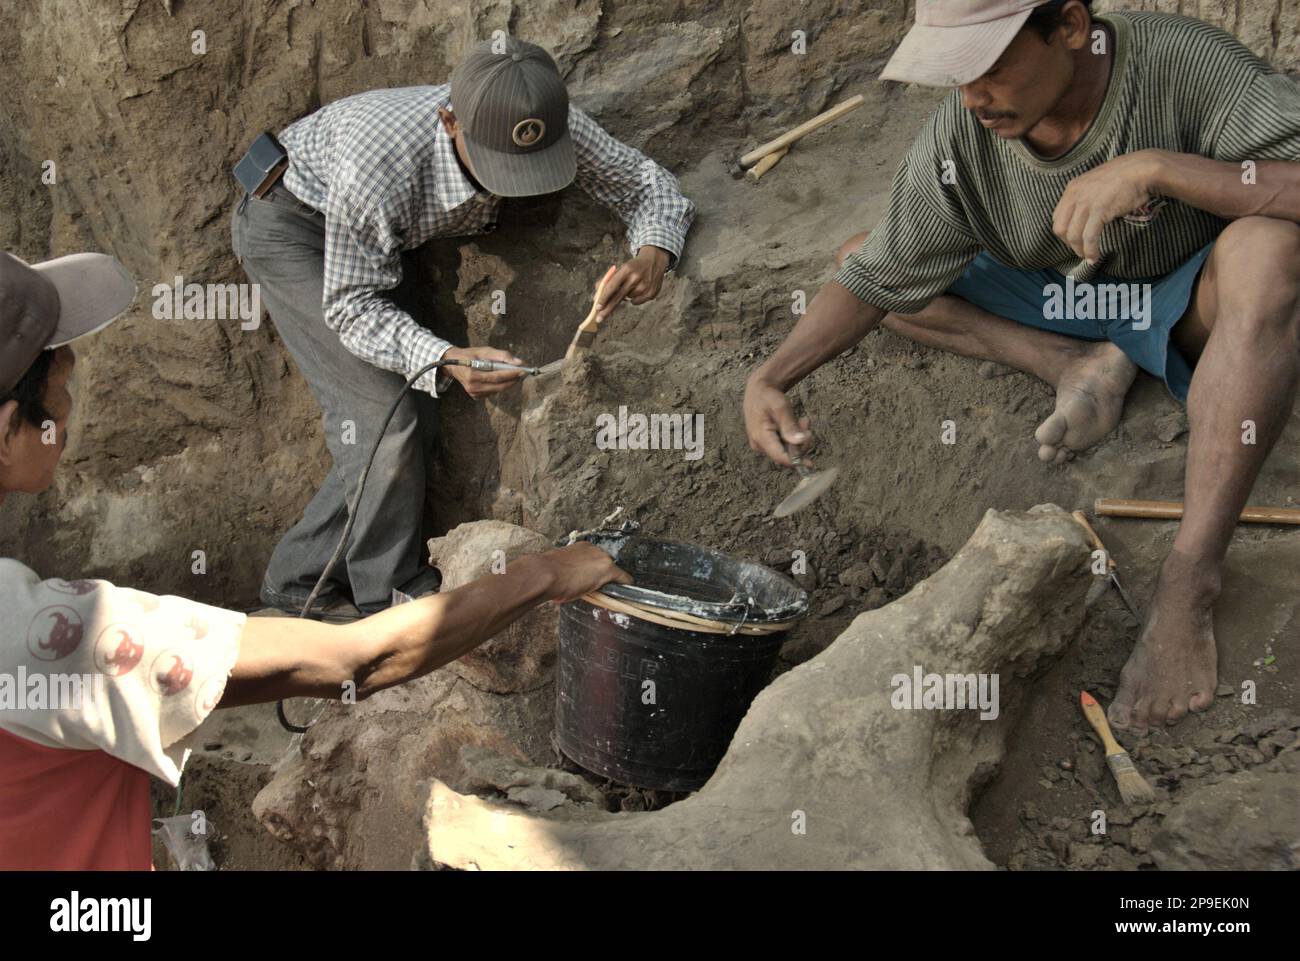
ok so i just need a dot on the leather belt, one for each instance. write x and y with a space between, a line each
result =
272 178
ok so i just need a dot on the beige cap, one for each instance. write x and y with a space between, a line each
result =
46 305
957 41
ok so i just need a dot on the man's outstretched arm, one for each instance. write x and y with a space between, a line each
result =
835 321
281 657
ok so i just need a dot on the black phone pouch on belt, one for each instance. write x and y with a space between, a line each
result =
262 166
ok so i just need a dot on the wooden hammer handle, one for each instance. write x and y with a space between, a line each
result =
767 163
1173 510
805 128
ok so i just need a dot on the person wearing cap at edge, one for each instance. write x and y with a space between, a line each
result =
371 176
102 686
1133 148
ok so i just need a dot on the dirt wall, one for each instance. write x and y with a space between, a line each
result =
198 435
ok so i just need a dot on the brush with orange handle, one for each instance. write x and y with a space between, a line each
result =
1133 788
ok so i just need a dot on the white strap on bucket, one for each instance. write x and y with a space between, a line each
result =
680 620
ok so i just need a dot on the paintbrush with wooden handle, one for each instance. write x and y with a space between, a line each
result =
1133 787
586 334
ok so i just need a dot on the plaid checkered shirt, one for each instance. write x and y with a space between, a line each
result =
381 170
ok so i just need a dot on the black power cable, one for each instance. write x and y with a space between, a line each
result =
488 365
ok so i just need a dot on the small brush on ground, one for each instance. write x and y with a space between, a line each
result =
1133 788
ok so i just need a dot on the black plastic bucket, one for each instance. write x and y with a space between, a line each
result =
669 734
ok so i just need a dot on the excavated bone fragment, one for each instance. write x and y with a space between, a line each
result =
824 771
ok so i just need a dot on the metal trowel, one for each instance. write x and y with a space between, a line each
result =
812 485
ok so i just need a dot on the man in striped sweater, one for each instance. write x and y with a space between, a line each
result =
1099 194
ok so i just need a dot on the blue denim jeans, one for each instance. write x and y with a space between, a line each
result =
281 243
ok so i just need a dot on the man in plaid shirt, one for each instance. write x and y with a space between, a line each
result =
379 173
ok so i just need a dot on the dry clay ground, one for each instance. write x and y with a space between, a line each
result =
905 501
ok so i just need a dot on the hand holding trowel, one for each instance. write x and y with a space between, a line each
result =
812 485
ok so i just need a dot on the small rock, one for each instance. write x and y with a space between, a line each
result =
1276 743
878 568
1084 856
859 575
1120 816
897 576
833 605
1249 755
1171 426
1121 860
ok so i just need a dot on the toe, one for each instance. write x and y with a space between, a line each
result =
1051 432
1119 714
1177 711
1201 700
1140 716
1047 453
1159 712
1062 455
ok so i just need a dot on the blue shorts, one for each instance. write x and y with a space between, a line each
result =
1046 300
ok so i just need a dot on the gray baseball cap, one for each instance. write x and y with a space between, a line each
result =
46 305
514 108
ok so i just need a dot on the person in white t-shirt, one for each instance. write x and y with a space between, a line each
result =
101 686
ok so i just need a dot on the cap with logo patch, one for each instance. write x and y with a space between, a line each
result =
955 42
513 107
46 305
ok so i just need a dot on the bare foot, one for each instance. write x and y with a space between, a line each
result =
1174 666
1089 401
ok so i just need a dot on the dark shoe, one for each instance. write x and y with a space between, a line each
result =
423 584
